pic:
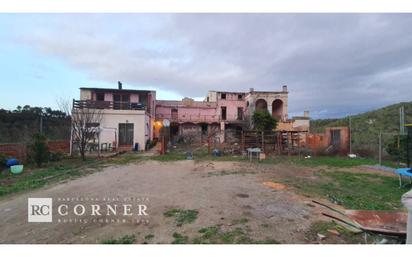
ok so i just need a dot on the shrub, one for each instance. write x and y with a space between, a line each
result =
262 120
3 160
397 148
39 149
56 156
150 144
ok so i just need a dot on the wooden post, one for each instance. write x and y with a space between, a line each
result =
242 141
209 145
263 139
98 142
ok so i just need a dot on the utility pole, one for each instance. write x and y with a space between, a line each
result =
350 134
380 148
402 120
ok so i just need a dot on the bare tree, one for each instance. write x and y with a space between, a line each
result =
85 123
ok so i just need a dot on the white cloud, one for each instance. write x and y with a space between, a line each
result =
335 62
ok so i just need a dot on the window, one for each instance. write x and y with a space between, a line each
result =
121 101
175 114
240 113
223 112
222 96
239 97
99 96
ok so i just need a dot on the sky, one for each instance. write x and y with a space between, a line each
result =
334 64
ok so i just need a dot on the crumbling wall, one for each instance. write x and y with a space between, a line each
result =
190 133
322 143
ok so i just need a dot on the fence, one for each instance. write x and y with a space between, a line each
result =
280 142
20 151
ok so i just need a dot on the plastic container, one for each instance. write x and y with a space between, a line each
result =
12 162
16 169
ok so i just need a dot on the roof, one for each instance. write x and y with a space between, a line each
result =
300 118
116 90
228 92
269 92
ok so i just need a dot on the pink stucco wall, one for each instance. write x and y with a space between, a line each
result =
134 98
231 103
108 97
188 114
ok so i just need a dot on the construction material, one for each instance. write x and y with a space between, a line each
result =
407 202
382 222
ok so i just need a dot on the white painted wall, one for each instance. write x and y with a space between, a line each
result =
112 118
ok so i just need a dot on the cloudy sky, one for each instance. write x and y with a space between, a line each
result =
333 64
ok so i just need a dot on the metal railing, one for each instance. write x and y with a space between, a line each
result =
114 105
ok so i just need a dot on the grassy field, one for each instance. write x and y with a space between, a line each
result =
351 190
201 154
70 168
359 191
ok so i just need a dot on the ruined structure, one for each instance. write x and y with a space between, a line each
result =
130 118
223 114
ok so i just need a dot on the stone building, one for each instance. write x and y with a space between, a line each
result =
224 114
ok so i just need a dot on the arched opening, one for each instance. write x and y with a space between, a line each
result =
277 109
261 105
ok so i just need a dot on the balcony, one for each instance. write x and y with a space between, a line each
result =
113 105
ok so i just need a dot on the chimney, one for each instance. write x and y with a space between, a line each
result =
251 90
119 84
285 88
306 114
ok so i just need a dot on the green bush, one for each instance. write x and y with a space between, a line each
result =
262 120
397 148
150 144
56 156
3 160
39 149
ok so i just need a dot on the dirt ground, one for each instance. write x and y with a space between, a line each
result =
222 192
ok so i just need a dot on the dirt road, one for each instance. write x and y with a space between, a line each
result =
222 192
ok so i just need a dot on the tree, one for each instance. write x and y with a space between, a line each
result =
397 148
85 123
262 120
85 126
39 149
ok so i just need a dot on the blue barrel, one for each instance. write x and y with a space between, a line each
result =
12 162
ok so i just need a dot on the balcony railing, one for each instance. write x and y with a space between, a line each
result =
114 105
197 118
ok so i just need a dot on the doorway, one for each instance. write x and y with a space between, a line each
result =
223 112
126 134
335 138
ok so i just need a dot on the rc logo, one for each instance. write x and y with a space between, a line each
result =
40 209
